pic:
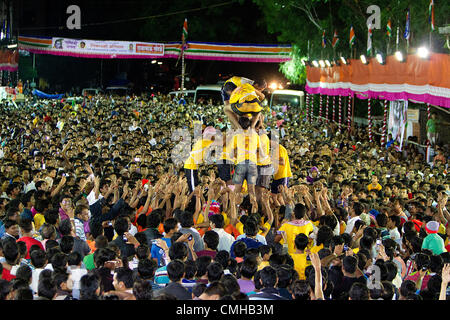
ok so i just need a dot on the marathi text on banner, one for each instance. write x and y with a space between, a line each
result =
104 47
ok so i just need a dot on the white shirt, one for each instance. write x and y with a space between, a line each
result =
351 224
225 239
91 197
35 279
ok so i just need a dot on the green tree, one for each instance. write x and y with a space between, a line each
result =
302 23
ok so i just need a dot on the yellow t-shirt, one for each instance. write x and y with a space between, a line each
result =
316 248
370 187
239 81
227 154
197 154
265 145
263 264
39 220
300 264
245 94
292 229
284 171
246 145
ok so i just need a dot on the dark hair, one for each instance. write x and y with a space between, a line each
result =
250 228
391 270
10 252
198 289
214 271
202 265
153 220
25 224
46 288
268 277
186 219
218 220
349 263
121 226
248 268
103 255
142 290
223 257
66 243
286 275
51 216
146 268
190 269
215 288
382 220
388 290
175 270
211 238
359 291
324 236
65 227
178 250
89 283
74 258
38 258
59 261
125 275
170 224
24 272
301 290
407 288
299 211
301 241
244 122
23 294
239 249
5 288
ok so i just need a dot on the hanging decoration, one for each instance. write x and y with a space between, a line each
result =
334 108
349 111
369 118
383 137
326 109
307 107
340 112
320 108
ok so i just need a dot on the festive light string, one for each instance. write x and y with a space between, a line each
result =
349 119
383 137
340 112
320 108
312 107
369 117
334 108
326 109
307 107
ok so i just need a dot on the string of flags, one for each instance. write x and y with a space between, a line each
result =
406 34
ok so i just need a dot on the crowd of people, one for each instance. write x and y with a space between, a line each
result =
99 202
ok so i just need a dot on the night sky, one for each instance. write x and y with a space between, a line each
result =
232 23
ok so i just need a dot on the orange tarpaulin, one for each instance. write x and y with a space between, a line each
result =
424 80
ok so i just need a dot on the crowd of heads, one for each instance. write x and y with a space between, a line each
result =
93 206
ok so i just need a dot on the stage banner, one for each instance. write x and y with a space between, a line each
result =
398 114
104 48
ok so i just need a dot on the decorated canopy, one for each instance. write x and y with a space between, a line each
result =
422 80
145 50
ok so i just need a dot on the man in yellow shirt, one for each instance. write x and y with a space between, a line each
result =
282 170
245 145
294 227
265 169
226 160
196 157
300 257
374 185
227 89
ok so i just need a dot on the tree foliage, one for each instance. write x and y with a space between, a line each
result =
301 22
